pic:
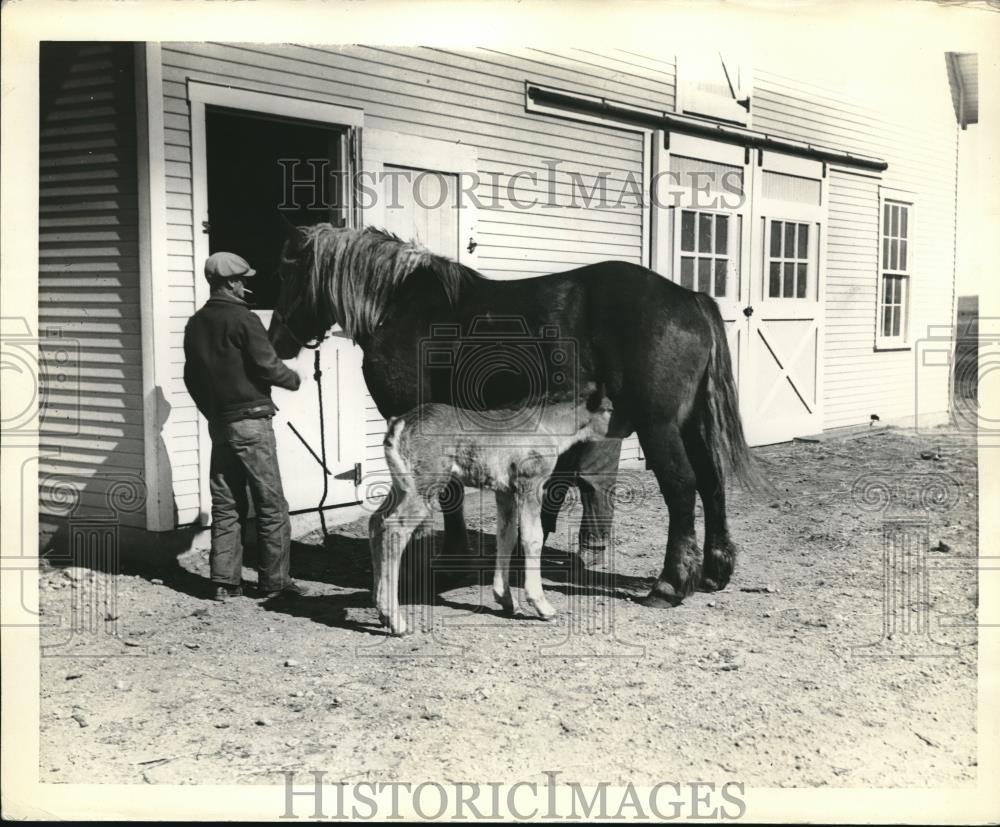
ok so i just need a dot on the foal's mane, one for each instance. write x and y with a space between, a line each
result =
354 274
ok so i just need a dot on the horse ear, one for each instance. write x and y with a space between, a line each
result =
292 233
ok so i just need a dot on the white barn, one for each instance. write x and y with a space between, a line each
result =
823 225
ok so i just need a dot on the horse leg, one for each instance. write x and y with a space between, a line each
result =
598 471
389 533
456 538
665 454
553 498
719 550
506 542
530 522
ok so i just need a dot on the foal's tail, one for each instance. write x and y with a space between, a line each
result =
721 425
398 466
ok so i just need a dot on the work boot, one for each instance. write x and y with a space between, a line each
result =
223 592
293 589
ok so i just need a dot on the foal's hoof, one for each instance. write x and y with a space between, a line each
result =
397 627
507 603
542 608
662 596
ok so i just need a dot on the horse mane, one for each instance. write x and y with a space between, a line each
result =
355 273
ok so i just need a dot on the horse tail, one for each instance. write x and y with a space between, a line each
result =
720 422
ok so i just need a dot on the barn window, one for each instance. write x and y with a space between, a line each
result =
708 252
895 268
788 259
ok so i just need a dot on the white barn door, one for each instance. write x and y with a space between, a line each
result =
701 226
746 227
781 387
414 189
301 432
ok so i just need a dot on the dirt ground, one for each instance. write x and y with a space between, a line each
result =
785 678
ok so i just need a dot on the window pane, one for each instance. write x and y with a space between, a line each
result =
788 288
704 275
774 286
885 253
803 241
893 254
704 233
902 254
721 265
800 282
687 272
885 219
894 226
896 317
886 290
722 234
887 321
904 212
897 293
775 239
687 231
789 240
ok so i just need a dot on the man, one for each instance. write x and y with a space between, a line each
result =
229 368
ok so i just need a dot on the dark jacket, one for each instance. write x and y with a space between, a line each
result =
230 364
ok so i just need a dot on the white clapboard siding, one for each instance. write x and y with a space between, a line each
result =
475 97
88 291
921 152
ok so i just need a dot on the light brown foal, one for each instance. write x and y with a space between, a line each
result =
428 446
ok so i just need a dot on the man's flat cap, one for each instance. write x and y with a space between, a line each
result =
227 266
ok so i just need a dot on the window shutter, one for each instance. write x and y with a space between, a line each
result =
714 85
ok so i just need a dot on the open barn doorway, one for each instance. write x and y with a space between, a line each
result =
262 170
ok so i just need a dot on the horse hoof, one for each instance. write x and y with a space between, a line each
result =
662 596
707 584
718 567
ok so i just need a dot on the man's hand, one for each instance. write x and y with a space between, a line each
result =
264 360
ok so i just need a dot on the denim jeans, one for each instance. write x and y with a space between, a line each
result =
244 453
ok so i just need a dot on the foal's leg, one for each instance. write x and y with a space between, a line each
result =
389 536
530 522
720 551
665 454
506 543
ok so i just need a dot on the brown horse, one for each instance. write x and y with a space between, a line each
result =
658 349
